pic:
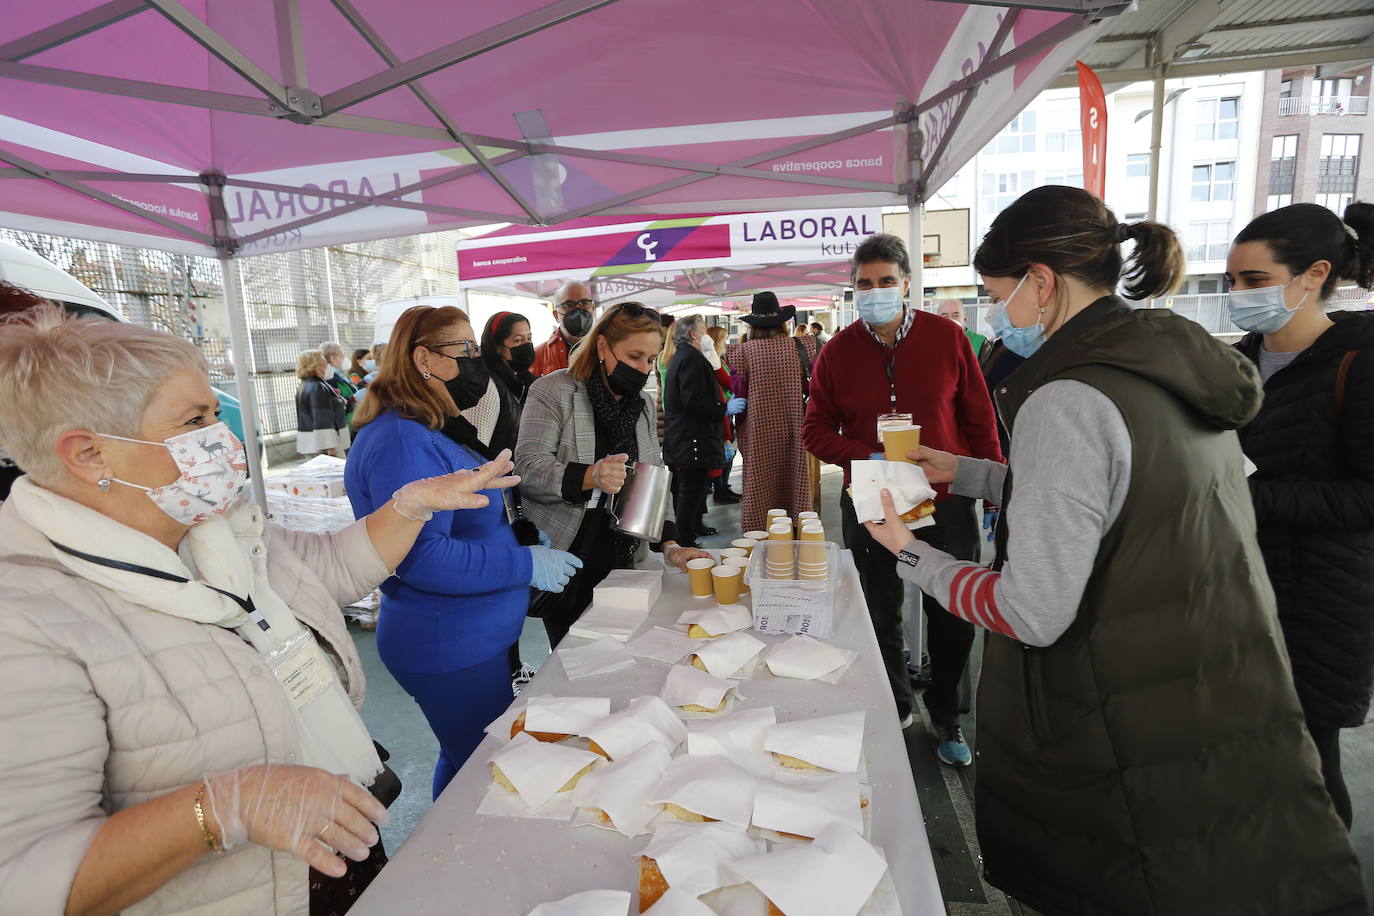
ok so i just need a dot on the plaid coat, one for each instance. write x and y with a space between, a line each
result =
556 430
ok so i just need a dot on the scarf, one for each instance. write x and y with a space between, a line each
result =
617 420
223 553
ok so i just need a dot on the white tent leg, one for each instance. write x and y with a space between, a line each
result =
1156 143
915 300
243 355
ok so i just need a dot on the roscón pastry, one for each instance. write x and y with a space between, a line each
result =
696 631
696 707
921 511
518 726
795 763
683 814
500 779
652 884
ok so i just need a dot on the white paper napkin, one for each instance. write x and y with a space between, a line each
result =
687 686
601 657
737 737
906 481
647 720
501 725
587 903
538 770
831 742
620 789
833 876
679 903
725 656
805 809
662 645
502 802
710 786
564 715
636 589
604 620
719 620
693 857
804 657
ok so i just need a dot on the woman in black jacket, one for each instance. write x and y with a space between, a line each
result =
1313 445
321 427
508 353
694 427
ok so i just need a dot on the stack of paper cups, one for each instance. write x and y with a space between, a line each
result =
729 552
699 577
776 513
747 544
804 517
743 564
727 581
755 536
782 555
812 532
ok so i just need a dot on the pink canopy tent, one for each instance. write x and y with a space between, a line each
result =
237 127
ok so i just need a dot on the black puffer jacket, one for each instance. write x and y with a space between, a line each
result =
694 431
1314 501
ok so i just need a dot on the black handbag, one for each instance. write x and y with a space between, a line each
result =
386 788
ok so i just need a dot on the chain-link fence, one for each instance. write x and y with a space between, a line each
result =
295 301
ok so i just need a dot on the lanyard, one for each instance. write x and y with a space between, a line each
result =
245 603
891 381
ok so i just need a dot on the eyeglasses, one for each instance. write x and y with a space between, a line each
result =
585 304
470 347
635 310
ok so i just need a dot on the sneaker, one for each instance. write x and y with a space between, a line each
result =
707 531
521 679
952 750
907 721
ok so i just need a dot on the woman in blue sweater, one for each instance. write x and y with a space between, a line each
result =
456 605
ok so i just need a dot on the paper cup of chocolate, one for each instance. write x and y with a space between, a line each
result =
726 580
746 544
699 577
898 441
741 563
729 552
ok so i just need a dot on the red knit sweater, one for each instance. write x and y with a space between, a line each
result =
937 380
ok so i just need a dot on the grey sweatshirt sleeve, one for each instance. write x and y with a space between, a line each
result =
981 478
1071 454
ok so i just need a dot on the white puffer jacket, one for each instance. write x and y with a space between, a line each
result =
105 704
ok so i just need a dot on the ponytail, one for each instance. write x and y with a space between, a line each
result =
1156 267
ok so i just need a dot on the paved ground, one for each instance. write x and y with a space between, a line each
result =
946 794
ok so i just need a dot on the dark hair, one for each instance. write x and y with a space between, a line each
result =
817 324
760 332
666 320
1074 234
14 299
356 365
1303 234
495 333
880 248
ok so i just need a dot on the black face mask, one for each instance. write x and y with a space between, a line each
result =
471 383
577 322
626 380
521 357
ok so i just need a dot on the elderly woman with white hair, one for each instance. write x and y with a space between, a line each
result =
179 729
694 426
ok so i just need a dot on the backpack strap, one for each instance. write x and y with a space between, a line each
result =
1342 374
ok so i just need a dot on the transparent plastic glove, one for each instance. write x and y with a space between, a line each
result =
708 350
609 473
736 406
553 569
420 499
301 810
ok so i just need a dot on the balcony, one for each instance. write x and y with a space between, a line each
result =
1329 105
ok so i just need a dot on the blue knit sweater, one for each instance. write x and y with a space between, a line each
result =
460 595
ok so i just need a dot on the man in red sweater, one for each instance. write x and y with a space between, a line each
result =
576 312
895 359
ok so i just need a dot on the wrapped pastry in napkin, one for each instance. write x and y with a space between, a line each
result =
647 720
692 858
587 903
725 656
828 742
803 810
550 718
677 903
604 656
706 789
807 658
716 621
833 876
662 645
737 736
538 771
912 494
615 794
696 691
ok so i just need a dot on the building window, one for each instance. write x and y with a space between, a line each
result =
1071 177
1209 240
1138 165
1218 119
1016 137
1214 181
1000 189
1277 201
1208 287
1338 170
1283 160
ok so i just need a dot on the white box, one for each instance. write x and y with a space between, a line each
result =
793 606
636 589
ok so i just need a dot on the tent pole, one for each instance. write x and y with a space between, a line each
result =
1156 142
329 285
243 380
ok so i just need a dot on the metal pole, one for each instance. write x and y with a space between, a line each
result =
243 379
329 285
915 209
1156 141
914 218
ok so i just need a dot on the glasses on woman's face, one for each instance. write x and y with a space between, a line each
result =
470 347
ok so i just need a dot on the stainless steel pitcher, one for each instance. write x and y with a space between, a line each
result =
642 504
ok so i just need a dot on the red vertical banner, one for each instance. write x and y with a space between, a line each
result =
1093 118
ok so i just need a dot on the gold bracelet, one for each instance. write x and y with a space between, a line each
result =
210 840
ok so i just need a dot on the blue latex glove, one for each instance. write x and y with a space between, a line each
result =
736 406
990 522
877 456
553 569
545 540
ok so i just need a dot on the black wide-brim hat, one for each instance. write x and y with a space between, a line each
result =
764 311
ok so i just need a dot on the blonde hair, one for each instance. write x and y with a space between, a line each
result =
398 385
718 336
59 372
615 325
309 364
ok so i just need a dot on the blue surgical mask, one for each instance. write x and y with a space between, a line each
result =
1021 341
370 365
878 306
1263 310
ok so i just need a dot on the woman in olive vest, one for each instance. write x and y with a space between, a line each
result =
1140 745
1313 446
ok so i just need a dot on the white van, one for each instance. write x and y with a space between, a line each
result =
480 307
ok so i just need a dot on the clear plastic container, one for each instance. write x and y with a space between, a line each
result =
785 601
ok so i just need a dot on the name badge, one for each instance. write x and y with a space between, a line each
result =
301 668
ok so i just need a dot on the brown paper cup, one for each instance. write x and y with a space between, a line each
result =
727 581
742 563
756 535
897 442
729 552
699 577
780 551
775 513
811 554
812 533
780 532
746 544
804 517
781 571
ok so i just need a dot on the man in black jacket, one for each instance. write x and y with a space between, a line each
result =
694 427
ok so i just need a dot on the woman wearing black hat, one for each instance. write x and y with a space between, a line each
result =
772 371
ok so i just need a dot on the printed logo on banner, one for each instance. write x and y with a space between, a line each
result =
675 243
